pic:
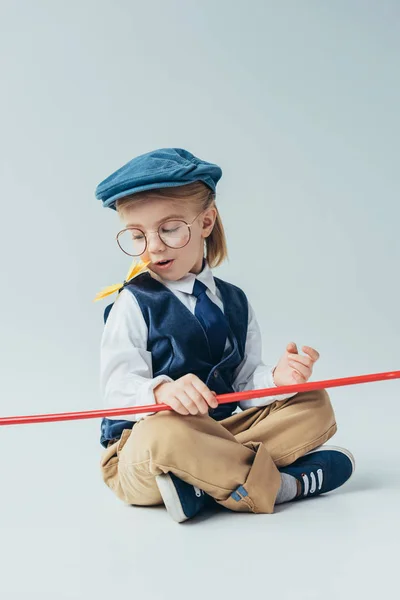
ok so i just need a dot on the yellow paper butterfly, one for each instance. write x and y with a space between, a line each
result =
135 270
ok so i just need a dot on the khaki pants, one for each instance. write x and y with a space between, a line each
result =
245 449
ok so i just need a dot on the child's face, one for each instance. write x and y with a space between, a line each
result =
147 216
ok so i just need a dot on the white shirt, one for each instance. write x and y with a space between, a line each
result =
126 375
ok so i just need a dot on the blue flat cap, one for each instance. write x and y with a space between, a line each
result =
166 167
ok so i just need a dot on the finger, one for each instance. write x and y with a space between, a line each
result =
291 347
311 352
304 360
178 407
206 393
298 377
197 398
301 369
187 402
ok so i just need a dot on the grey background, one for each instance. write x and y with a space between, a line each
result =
298 103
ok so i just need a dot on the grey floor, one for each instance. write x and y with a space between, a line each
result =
65 536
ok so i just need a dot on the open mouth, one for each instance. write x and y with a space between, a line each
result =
164 263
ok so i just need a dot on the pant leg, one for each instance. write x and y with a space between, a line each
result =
240 453
198 450
288 429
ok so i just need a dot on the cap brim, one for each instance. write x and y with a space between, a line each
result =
110 202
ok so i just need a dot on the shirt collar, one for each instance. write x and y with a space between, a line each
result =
186 283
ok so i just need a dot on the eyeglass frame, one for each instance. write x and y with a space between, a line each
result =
189 225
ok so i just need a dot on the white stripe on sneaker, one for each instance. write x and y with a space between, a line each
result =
313 483
320 476
306 484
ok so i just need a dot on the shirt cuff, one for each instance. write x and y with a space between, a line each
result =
146 394
268 382
272 383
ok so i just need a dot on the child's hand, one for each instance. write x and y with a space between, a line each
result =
187 395
293 368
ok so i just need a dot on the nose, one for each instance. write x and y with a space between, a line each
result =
154 243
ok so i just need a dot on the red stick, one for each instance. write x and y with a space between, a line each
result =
222 399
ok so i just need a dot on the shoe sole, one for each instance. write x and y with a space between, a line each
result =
338 449
170 498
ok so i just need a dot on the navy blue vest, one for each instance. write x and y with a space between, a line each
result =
179 345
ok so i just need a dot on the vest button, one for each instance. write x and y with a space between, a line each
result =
216 373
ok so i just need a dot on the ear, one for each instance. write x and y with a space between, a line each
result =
208 221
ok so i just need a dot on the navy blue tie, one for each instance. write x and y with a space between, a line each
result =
213 320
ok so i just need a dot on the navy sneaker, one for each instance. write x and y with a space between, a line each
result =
322 470
182 500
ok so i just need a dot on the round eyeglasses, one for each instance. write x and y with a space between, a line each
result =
174 233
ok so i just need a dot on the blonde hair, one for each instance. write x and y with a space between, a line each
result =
202 198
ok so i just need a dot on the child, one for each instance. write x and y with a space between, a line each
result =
178 335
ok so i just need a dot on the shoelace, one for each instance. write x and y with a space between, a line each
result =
310 489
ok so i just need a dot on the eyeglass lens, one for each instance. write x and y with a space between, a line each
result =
174 234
